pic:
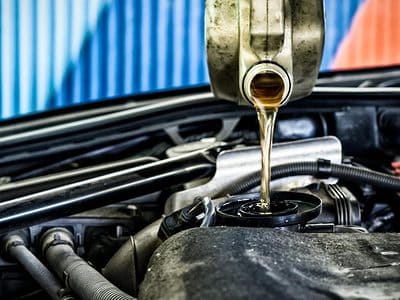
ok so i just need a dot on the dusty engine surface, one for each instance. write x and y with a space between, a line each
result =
260 263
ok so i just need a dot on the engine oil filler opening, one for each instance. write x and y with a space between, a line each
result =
287 209
277 208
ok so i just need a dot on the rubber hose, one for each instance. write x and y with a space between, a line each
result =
79 276
343 172
16 248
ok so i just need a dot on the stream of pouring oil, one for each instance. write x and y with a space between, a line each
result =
267 92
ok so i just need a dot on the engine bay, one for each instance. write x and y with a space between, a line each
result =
151 198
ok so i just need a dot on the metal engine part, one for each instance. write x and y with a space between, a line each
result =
235 165
260 263
133 258
339 205
247 38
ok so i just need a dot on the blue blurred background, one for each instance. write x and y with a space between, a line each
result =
56 53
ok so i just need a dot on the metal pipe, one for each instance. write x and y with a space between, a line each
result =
14 247
34 185
93 122
177 102
349 91
41 121
69 200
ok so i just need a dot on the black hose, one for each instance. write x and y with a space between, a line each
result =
320 169
15 248
79 276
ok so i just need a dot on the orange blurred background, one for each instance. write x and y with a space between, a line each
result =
374 37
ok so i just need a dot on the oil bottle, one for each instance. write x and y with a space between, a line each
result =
264 53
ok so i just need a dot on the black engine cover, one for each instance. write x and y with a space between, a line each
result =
256 263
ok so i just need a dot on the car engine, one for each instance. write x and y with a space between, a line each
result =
152 206
160 196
